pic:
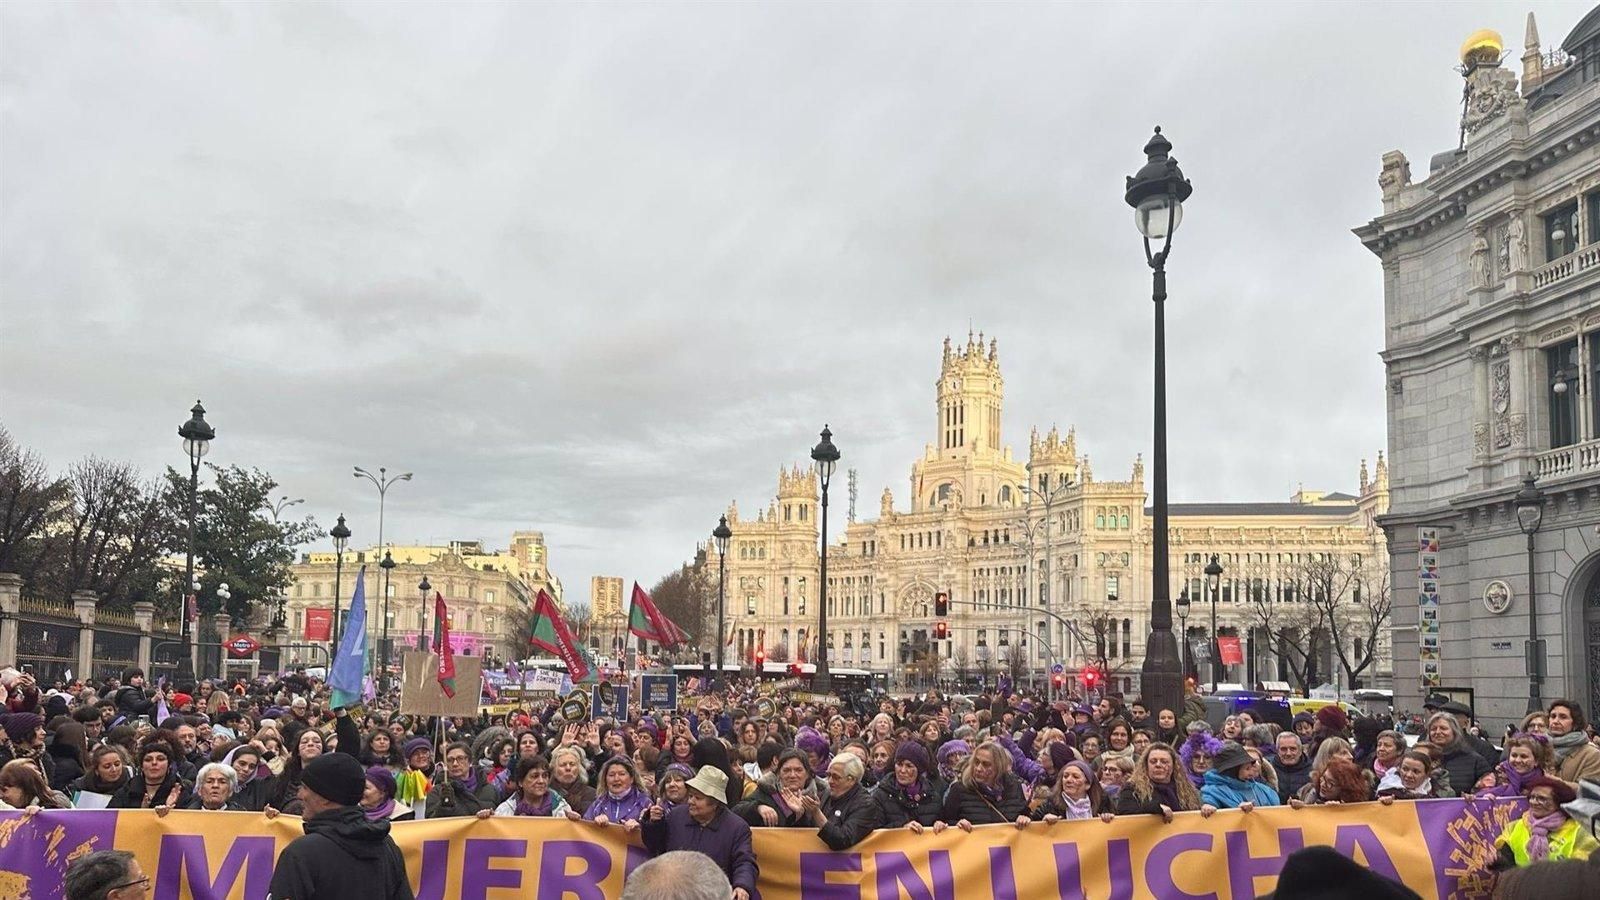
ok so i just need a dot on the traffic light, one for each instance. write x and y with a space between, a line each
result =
1091 677
794 670
941 630
941 604
761 658
1060 680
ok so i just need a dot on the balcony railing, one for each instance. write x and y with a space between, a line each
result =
1574 459
1582 260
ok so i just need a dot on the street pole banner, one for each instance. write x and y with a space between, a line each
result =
1440 848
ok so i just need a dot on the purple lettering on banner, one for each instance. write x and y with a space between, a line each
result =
1158 865
435 866
1348 838
895 871
1002 877
39 846
814 869
476 875
184 856
1244 869
1460 838
555 883
1119 869
1069 873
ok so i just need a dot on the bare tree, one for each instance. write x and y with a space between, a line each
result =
1355 605
778 653
1014 663
1295 624
111 537
30 501
1096 627
580 621
687 596
961 663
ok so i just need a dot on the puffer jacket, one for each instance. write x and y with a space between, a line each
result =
962 802
1227 792
899 810
850 818
766 794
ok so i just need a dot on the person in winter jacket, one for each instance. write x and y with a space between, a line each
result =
1409 780
1078 796
462 791
779 799
23 787
909 797
68 750
1576 758
847 814
1467 769
1156 787
156 783
214 790
533 796
569 776
1545 833
1292 765
108 773
1233 782
620 800
25 732
130 699
342 853
252 778
986 793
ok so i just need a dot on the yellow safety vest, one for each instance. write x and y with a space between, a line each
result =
1569 841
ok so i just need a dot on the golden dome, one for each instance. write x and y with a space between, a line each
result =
1482 48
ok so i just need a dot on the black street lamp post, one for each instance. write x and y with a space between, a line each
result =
1214 586
341 539
197 437
1183 628
1156 194
1530 516
387 565
423 587
722 534
826 456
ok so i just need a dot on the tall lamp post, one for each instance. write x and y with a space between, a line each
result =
1530 515
1183 628
826 456
423 587
1156 194
197 436
722 534
223 596
387 565
341 539
1214 586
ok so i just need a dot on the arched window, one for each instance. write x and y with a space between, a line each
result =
802 512
1099 520
1005 495
1124 521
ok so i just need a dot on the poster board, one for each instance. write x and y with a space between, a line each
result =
419 687
658 691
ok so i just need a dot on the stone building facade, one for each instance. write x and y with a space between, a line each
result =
483 589
1491 273
989 529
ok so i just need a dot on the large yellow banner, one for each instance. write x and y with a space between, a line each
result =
1440 848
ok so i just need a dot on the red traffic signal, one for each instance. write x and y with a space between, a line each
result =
761 658
941 604
1060 680
794 670
941 630
1091 676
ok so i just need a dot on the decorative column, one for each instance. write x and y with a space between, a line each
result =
1482 415
144 617
10 606
220 623
83 604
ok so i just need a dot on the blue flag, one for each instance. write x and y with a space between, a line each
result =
350 668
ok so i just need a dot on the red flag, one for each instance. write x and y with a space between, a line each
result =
441 646
550 633
646 620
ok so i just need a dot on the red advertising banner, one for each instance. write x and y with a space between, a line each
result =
319 624
1229 649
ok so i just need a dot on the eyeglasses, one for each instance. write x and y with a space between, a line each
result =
1540 798
142 883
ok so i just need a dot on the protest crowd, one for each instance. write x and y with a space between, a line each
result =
700 776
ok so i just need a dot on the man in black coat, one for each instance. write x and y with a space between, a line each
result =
130 698
848 814
342 854
1292 765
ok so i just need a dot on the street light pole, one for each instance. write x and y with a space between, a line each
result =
1157 193
1214 585
383 481
197 437
1530 515
423 587
1183 629
826 457
341 539
722 534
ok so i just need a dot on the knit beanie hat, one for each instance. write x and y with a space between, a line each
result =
951 748
1332 718
381 778
1089 776
19 726
1060 755
417 743
914 753
336 777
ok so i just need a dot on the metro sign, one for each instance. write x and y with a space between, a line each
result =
242 645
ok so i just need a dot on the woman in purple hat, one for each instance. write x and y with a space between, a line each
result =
909 795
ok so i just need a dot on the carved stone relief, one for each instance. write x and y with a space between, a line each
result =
1480 439
1500 402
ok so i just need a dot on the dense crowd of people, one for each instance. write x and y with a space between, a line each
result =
700 777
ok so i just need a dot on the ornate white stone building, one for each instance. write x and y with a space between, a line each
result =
988 529
1491 273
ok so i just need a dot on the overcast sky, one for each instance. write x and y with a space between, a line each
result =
599 269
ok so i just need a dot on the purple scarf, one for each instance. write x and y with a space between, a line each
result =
1539 839
381 812
1513 785
915 789
542 808
1167 795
